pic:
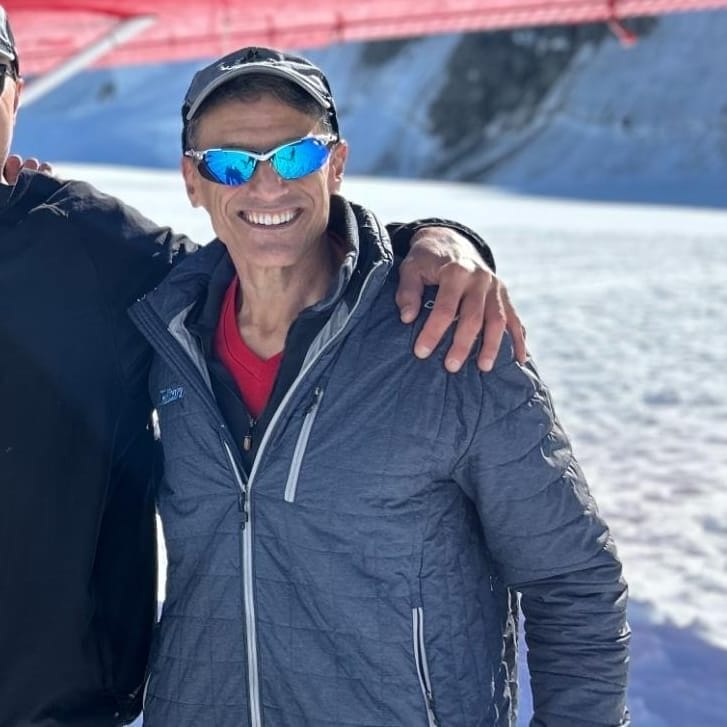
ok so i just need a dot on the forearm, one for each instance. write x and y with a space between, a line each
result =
126 574
544 534
577 637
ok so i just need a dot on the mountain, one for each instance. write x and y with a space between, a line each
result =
557 111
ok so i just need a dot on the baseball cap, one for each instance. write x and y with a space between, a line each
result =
296 69
7 42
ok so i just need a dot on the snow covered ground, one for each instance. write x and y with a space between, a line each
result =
626 309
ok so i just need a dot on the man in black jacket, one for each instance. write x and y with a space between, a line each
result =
77 529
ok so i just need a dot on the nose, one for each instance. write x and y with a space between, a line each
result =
265 181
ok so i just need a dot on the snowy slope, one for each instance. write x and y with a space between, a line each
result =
626 310
567 112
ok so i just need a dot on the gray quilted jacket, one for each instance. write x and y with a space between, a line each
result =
364 574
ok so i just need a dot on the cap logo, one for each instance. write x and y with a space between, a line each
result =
251 55
231 66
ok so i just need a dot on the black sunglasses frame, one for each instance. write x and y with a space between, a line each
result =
6 69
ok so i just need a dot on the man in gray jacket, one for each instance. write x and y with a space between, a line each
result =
350 530
77 526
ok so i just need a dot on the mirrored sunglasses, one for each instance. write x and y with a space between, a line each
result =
293 160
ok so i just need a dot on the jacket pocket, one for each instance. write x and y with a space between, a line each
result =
291 486
422 666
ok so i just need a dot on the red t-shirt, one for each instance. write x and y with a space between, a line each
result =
253 375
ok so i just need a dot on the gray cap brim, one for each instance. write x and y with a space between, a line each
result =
262 68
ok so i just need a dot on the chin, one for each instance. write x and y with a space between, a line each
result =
274 255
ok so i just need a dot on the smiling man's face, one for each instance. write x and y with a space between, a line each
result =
268 221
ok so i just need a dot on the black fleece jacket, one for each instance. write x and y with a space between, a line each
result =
77 528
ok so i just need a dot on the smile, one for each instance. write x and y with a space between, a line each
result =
270 219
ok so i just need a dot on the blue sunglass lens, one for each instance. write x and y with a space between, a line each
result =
229 166
233 167
300 158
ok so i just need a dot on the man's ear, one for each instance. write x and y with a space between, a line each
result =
191 181
339 155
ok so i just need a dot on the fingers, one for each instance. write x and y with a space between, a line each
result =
31 163
15 164
480 304
12 168
469 293
469 327
454 282
494 328
409 293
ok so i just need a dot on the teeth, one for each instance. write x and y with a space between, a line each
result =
279 218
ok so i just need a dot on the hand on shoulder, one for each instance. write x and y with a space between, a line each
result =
15 164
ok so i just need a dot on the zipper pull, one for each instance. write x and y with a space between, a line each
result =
314 401
247 439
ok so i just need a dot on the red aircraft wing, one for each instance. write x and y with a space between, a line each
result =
49 32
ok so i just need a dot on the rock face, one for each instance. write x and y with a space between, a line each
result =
559 110
482 92
502 80
493 84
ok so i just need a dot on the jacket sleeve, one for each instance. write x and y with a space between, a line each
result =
547 541
401 235
129 255
125 569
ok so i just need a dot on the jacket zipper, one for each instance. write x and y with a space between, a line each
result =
144 314
247 533
250 622
291 485
149 320
242 500
420 656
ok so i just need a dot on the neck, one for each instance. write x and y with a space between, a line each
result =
272 298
